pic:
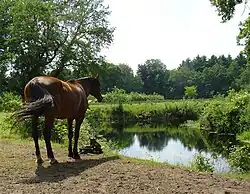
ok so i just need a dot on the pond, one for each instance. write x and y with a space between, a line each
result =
172 145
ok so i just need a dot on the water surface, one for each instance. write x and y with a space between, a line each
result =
172 145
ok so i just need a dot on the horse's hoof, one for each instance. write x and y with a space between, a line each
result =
53 161
77 157
39 161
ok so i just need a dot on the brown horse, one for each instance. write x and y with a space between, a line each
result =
56 99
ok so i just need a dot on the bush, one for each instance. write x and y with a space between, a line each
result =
120 96
232 115
244 136
201 164
172 113
24 129
239 158
60 131
9 102
190 91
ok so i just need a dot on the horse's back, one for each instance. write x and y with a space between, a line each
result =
69 97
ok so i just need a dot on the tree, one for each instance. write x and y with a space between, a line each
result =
210 75
226 9
243 81
127 77
110 77
190 91
154 76
120 76
39 37
179 78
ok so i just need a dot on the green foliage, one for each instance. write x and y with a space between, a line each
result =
116 96
190 91
212 76
9 102
34 33
172 113
65 38
226 8
154 76
243 37
119 96
201 163
230 115
119 76
59 132
244 136
22 129
239 158
120 117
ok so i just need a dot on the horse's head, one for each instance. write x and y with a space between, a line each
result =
92 87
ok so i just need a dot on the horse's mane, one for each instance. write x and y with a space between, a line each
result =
82 78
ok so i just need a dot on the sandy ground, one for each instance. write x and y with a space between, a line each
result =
101 174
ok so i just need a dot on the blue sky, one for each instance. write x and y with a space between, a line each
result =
170 30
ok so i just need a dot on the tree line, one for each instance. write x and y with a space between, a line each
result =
210 76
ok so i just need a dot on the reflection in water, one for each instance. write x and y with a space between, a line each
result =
153 141
174 152
172 145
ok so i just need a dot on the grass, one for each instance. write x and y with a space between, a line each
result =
238 176
171 113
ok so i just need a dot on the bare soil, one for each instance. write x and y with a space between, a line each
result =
101 174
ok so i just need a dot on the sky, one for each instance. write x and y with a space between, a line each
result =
169 30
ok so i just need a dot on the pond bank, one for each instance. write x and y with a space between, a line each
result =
102 174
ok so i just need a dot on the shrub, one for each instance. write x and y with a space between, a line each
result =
172 113
190 91
244 136
201 164
9 102
232 115
239 158
24 129
116 96
60 132
120 96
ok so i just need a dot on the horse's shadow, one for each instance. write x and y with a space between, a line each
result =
61 171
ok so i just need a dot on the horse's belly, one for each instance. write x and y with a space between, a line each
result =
69 105
67 111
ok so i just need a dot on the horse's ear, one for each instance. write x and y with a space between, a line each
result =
97 76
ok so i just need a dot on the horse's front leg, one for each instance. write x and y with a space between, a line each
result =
76 137
70 136
49 122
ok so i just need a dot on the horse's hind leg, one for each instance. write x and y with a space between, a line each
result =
49 122
39 159
76 137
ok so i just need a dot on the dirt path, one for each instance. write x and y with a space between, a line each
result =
101 174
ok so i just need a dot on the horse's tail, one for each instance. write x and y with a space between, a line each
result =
40 102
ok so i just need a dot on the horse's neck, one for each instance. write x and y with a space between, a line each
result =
86 89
